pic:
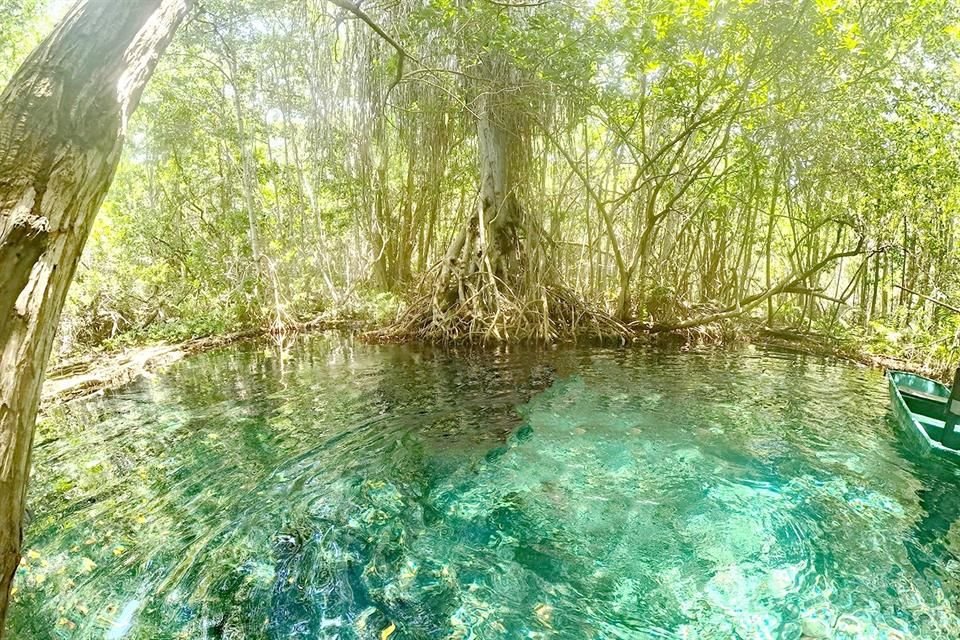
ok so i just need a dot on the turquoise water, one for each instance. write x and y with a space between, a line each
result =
356 491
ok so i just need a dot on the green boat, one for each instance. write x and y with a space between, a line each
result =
927 411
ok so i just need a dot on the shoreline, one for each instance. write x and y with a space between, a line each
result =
87 374
84 375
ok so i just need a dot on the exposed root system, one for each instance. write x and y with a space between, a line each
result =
492 312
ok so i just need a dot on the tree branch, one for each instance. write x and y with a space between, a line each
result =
751 302
366 19
928 298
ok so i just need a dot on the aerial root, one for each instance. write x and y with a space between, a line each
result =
490 313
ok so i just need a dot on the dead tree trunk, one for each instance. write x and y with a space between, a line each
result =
62 123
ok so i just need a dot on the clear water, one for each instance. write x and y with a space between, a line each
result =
355 491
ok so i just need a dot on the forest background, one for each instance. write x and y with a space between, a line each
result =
492 170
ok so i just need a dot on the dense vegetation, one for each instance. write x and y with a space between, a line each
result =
484 170
493 169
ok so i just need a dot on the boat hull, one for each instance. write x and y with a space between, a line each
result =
910 422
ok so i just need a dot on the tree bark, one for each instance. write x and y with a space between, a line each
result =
499 207
248 174
489 248
62 123
768 244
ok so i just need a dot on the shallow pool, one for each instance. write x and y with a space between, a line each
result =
354 491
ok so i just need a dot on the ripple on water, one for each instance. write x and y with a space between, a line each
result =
346 489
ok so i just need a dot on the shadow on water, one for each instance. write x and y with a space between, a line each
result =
343 489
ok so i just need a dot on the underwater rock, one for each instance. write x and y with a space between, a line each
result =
544 613
780 582
817 624
850 625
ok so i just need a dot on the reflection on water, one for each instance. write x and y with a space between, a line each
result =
573 494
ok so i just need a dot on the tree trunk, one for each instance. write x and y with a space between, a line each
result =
499 208
885 288
768 244
408 227
641 259
623 298
248 176
62 122
489 246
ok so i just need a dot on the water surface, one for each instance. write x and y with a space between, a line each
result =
355 491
